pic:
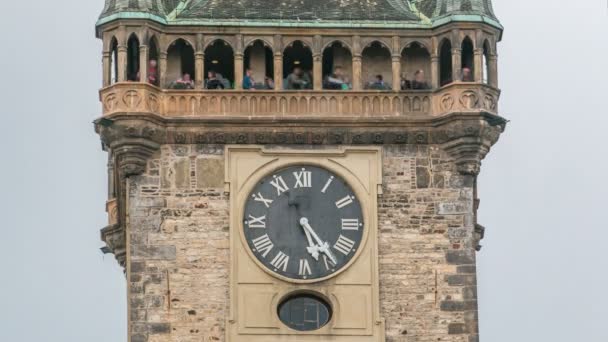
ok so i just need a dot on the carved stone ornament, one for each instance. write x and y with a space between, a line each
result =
469 99
132 155
447 102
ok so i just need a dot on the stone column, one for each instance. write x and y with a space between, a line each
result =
478 66
456 64
278 71
162 69
493 70
143 63
107 68
357 82
199 63
396 60
122 63
317 62
317 71
435 71
238 71
278 62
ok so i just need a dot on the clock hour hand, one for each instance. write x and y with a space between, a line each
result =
322 246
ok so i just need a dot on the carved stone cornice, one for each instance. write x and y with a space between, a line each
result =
470 144
132 155
115 239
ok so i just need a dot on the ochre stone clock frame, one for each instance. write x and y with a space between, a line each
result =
353 292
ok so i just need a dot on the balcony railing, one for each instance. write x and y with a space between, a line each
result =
138 98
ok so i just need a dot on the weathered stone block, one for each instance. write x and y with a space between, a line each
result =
210 173
423 177
460 257
159 328
155 252
457 328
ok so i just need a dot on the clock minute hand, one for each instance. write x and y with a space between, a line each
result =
312 249
323 246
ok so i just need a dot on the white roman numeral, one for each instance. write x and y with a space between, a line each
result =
279 184
344 245
260 198
263 245
280 261
304 268
350 224
328 263
303 179
331 179
344 202
257 222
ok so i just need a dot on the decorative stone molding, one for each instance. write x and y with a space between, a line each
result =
115 239
132 153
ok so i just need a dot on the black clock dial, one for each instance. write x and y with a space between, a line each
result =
303 222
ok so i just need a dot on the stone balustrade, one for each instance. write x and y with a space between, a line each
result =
137 98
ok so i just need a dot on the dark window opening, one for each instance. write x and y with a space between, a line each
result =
337 67
219 66
260 61
297 66
304 313
445 61
486 67
377 69
467 73
415 67
180 65
113 61
133 58
153 52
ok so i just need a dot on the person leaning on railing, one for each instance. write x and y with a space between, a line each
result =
213 82
337 80
184 82
298 79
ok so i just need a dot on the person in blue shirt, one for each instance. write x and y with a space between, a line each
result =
248 81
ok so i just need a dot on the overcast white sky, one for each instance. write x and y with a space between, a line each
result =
543 272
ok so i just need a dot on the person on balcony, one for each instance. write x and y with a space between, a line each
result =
419 82
379 84
153 72
184 82
298 79
337 80
466 75
268 83
248 81
213 82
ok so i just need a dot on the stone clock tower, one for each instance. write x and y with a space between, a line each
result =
298 170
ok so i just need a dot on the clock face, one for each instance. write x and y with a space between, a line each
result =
303 222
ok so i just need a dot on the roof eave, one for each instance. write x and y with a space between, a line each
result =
388 24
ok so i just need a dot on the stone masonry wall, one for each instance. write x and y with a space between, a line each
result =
178 257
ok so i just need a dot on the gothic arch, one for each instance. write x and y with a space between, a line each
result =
341 41
445 62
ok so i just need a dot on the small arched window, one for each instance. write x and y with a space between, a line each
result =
415 67
337 67
259 60
219 65
377 70
486 57
297 66
445 61
153 52
133 58
113 77
180 64
467 71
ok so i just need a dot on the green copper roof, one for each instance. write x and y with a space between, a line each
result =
303 13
